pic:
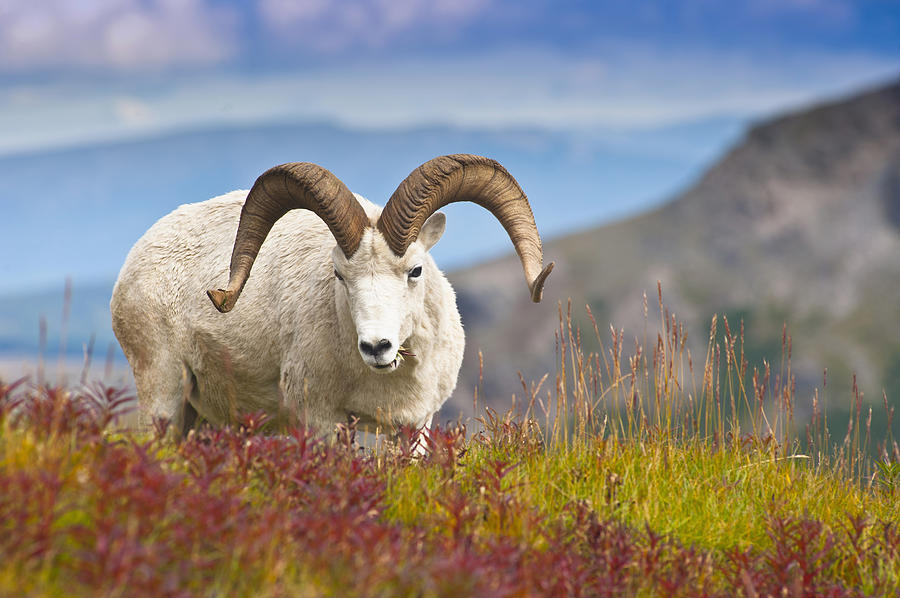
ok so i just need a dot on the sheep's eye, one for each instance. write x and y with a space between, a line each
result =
415 272
338 275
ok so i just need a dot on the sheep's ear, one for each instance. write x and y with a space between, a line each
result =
432 230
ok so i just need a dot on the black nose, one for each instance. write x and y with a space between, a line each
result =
368 348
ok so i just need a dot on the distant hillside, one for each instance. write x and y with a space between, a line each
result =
798 223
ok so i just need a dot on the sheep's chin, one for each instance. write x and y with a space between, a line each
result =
386 368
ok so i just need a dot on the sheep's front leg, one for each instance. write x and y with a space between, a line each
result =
163 392
420 449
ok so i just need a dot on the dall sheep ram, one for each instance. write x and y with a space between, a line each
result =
346 315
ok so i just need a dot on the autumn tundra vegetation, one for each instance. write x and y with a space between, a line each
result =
636 470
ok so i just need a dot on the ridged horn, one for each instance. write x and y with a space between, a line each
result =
297 185
465 177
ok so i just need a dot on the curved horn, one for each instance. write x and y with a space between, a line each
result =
275 192
464 177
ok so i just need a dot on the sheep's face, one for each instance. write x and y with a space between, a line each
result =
385 294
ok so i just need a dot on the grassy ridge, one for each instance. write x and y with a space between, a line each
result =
641 478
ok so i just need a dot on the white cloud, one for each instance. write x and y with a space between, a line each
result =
125 35
625 85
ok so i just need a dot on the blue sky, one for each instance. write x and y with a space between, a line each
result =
75 71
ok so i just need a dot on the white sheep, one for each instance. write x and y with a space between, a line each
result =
346 315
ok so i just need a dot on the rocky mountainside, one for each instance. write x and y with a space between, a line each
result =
799 223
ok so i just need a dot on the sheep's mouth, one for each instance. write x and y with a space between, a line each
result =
402 354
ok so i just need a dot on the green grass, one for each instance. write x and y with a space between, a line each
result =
628 473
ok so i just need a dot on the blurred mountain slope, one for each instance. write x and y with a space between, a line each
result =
797 224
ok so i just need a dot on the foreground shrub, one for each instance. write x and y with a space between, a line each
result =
87 510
